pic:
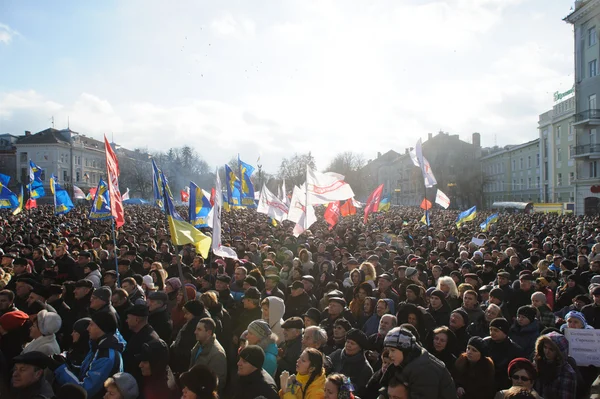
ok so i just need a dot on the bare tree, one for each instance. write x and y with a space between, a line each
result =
293 169
350 165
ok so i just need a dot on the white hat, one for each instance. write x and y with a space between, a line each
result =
149 282
48 322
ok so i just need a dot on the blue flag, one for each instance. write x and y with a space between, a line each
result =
101 205
485 226
4 179
35 172
246 186
36 189
62 201
8 199
234 196
157 186
199 207
466 216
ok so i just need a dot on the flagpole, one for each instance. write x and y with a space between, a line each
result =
180 270
306 202
114 239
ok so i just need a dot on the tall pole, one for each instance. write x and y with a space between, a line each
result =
114 239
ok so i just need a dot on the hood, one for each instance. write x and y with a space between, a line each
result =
391 305
559 341
276 310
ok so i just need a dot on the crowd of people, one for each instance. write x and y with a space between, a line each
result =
390 309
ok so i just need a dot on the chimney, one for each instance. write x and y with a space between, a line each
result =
476 140
378 154
429 136
27 133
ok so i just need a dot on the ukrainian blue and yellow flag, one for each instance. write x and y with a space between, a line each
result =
199 207
101 204
19 208
4 179
8 199
183 232
62 201
425 218
157 186
385 204
466 216
35 186
234 196
485 226
246 186
35 172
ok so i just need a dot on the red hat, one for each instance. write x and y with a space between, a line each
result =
13 320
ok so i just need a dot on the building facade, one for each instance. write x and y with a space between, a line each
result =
8 157
586 22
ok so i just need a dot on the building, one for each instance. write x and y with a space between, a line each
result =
512 173
557 150
585 19
8 157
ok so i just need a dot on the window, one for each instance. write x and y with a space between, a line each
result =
592 67
592 102
592 136
529 161
521 163
23 157
537 159
545 148
558 133
537 183
521 186
571 177
559 179
558 155
514 164
65 177
77 176
546 170
591 36
514 186
529 182
571 152
570 131
593 169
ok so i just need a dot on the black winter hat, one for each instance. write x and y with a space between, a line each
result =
194 307
71 391
106 321
497 293
528 311
462 314
501 324
157 353
479 344
254 355
252 293
358 336
81 325
313 314
200 380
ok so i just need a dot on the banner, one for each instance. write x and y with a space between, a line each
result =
199 207
324 188
112 167
442 199
100 209
584 346
332 214
78 193
270 205
217 199
419 160
373 202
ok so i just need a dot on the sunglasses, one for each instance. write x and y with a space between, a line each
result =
520 377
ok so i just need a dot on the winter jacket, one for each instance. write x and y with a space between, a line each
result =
557 380
427 377
442 315
296 305
253 385
371 326
270 364
502 353
592 314
355 367
244 318
547 318
46 344
212 355
276 311
525 337
182 346
102 361
38 390
134 347
95 277
291 352
477 379
316 389
161 322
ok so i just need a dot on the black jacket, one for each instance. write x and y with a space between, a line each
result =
161 322
296 306
182 346
134 347
291 353
502 353
356 367
244 319
253 385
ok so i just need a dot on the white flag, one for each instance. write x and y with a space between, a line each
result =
419 160
297 211
284 197
270 205
126 195
78 193
217 248
324 188
442 199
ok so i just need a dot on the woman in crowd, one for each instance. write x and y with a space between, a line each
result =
448 287
474 372
439 308
309 380
360 294
441 343
81 342
260 333
199 383
522 373
121 386
338 386
557 379
42 332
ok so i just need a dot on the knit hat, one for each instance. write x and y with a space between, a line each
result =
81 325
414 288
522 363
13 320
497 293
174 282
252 293
196 308
201 380
127 385
577 315
410 271
260 328
358 336
251 280
528 311
156 352
479 344
149 282
345 324
501 324
313 314
103 293
400 338
254 355
71 391
463 314
106 321
48 322
439 293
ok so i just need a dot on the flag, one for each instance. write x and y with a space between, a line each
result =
284 196
35 172
181 231
185 197
332 213
246 186
234 196
112 168
19 208
157 187
304 216
272 206
466 216
324 188
126 195
348 208
91 193
425 218
101 204
426 204
199 207
36 189
30 204
419 160
8 199
373 202
385 204
442 199
217 199
78 193
4 179
485 226
62 201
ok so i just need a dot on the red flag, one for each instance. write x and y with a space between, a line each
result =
112 167
92 192
332 213
185 197
373 202
31 203
212 196
426 204
348 208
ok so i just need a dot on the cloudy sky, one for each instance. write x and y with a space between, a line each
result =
278 77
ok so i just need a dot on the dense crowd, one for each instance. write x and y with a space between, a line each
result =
389 309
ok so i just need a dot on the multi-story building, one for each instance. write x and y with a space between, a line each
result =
511 173
585 19
8 157
557 150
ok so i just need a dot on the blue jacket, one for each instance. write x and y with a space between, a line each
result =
270 364
102 361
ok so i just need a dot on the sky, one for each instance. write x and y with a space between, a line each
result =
272 78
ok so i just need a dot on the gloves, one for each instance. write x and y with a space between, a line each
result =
55 361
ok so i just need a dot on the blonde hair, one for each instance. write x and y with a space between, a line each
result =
369 271
209 299
450 283
159 268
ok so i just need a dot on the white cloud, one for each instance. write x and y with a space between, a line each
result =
228 25
7 34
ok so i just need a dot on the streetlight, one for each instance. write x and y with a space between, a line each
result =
397 191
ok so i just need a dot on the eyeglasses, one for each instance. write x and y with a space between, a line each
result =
520 377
